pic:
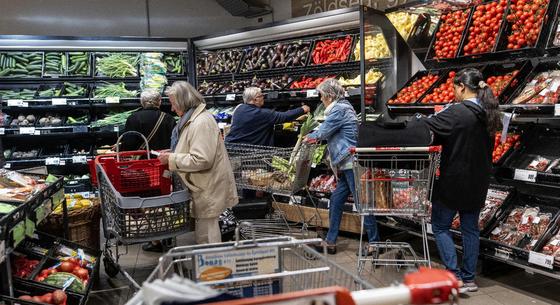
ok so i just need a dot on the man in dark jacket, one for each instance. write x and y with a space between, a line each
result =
252 124
154 124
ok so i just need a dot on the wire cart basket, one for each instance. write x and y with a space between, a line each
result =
278 171
286 269
130 217
395 181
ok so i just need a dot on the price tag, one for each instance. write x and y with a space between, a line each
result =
555 85
525 175
52 161
116 129
29 227
59 101
230 97
40 214
556 109
79 129
62 162
15 103
112 100
27 130
38 132
8 165
79 159
2 251
2 131
18 233
221 125
312 93
542 260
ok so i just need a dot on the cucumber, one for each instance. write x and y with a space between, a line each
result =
59 279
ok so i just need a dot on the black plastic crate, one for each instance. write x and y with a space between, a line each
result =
48 91
24 152
553 231
274 47
341 36
26 288
70 86
183 63
51 69
19 254
431 51
218 61
16 89
131 86
545 205
54 150
498 35
252 208
49 263
524 68
541 67
541 40
202 65
19 62
443 79
417 76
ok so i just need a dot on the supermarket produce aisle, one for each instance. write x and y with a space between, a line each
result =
495 289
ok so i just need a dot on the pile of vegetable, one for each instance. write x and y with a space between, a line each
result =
486 23
117 65
153 70
174 62
415 90
113 119
78 63
204 62
50 120
21 64
526 18
501 148
113 90
78 120
26 154
274 83
23 121
55 64
74 202
49 92
443 94
57 297
404 22
499 82
68 269
308 82
372 76
22 94
22 267
450 31
280 55
210 88
376 47
330 51
73 90
227 61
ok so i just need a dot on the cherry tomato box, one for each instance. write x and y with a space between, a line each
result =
416 88
505 78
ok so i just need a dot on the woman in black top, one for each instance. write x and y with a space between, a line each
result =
149 121
465 131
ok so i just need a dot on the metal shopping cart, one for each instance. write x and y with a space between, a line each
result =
280 172
395 181
137 203
285 270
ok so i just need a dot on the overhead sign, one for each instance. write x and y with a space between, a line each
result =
310 7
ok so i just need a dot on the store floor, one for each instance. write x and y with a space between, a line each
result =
503 285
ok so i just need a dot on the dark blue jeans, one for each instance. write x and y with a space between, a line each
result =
442 217
344 186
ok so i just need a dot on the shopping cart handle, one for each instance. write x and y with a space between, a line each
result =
432 286
429 149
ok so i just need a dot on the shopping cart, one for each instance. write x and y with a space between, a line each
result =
280 172
137 203
395 181
284 269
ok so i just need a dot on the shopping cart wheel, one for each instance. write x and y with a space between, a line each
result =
111 269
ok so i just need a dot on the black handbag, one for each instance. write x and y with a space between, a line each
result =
387 132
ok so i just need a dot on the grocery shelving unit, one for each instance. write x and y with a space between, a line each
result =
66 161
538 124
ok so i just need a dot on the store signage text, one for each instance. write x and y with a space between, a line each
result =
310 7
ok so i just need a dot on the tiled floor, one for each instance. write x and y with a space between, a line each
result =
505 285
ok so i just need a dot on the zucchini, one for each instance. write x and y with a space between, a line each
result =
5 72
59 279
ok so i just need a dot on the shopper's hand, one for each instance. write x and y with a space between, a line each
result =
306 108
164 157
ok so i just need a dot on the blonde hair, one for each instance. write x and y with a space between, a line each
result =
185 95
150 98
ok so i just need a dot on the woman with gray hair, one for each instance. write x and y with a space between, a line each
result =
252 124
198 156
340 130
150 121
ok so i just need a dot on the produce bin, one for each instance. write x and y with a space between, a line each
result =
169 63
431 50
553 43
340 37
252 51
419 75
24 288
227 62
523 68
15 64
79 64
132 71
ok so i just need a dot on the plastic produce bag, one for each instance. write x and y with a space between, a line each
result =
539 164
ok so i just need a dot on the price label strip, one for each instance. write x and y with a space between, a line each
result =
543 260
112 100
59 101
525 175
312 93
230 97
79 159
27 130
52 161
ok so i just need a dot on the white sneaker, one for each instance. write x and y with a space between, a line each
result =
468 287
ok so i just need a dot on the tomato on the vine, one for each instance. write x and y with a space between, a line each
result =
448 36
526 18
414 91
443 94
486 22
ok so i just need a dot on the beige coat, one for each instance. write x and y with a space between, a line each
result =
202 162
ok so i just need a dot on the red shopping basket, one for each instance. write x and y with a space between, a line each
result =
131 175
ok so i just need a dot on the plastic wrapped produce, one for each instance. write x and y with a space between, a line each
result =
494 200
552 247
539 164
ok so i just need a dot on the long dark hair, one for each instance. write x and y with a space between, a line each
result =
474 80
